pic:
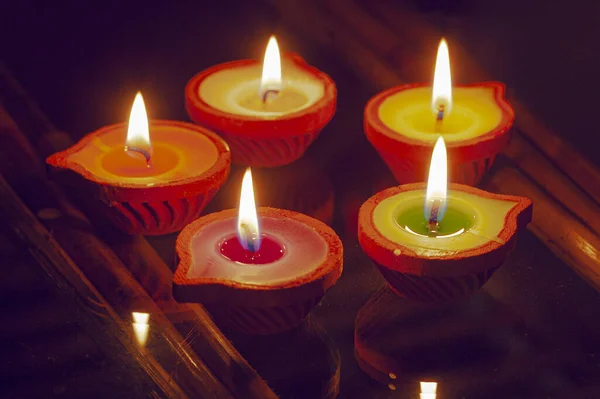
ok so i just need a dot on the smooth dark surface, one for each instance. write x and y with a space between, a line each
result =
46 351
84 62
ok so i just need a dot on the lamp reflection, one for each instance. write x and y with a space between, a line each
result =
428 390
411 346
300 363
141 327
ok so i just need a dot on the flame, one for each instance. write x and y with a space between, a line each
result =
271 73
442 81
437 185
428 390
138 133
247 223
141 327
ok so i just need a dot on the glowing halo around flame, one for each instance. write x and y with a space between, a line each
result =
437 184
248 231
271 81
138 132
442 81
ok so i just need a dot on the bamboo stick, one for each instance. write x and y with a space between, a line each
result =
134 251
565 237
530 163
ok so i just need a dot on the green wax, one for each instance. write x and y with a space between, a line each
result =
452 222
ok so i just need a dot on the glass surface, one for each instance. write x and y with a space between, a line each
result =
532 332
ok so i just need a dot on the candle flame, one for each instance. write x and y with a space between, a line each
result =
141 327
247 223
428 390
437 184
138 133
441 98
271 73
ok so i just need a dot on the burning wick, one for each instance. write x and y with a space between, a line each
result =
140 151
270 82
138 132
440 113
432 223
252 239
269 94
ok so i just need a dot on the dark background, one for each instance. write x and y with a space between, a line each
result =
83 61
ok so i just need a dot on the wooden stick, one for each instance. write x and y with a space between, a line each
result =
561 153
531 163
135 252
565 237
54 260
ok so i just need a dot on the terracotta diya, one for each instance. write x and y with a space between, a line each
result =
431 243
270 119
403 123
258 280
151 178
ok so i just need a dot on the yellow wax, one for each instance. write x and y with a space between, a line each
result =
285 100
236 90
177 154
474 112
487 222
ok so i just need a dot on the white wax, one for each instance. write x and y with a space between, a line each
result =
304 251
227 89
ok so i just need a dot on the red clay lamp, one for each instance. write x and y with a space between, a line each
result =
437 241
151 177
268 112
403 123
257 271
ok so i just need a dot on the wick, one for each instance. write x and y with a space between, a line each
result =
432 223
144 153
269 93
251 239
440 113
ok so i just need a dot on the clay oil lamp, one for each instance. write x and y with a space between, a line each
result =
152 177
269 113
404 122
437 241
257 271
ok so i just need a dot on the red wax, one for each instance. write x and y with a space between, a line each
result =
269 251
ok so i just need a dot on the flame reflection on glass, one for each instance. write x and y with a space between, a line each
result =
437 184
428 390
138 132
271 81
441 97
141 326
247 224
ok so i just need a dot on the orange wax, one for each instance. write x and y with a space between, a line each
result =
178 153
121 163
